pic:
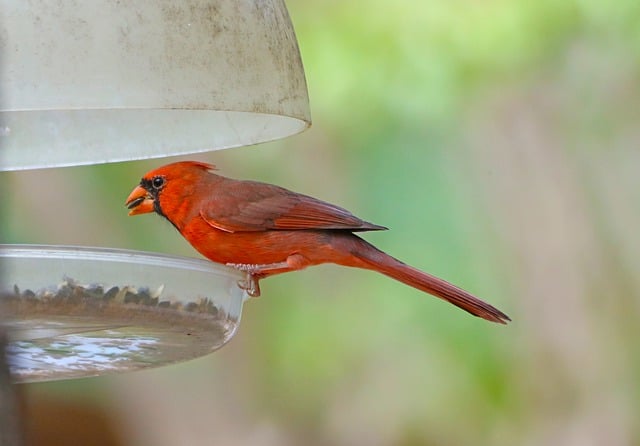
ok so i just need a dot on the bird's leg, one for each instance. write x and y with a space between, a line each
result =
255 272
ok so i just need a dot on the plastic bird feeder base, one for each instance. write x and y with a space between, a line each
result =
73 312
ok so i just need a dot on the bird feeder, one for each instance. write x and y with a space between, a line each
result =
104 81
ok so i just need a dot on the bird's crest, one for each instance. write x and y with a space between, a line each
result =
201 164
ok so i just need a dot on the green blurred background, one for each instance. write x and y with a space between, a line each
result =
500 143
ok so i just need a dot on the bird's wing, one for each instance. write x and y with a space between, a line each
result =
249 206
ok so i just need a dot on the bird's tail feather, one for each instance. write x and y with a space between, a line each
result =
374 259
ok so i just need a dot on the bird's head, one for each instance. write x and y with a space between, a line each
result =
165 188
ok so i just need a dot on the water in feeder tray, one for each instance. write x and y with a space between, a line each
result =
75 312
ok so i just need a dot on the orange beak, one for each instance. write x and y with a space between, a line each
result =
139 201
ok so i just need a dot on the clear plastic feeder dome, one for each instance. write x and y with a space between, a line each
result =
106 80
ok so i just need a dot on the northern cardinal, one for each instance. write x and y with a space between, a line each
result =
264 230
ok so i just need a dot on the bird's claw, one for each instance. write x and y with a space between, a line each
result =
250 285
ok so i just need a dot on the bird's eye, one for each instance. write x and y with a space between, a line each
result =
157 182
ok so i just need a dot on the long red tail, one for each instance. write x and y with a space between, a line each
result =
377 260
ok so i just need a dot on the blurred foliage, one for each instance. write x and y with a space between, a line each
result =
499 141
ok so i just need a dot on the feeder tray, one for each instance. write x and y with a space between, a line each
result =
72 312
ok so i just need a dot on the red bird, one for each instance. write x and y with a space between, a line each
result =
264 230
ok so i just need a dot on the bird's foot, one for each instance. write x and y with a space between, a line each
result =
256 271
251 285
